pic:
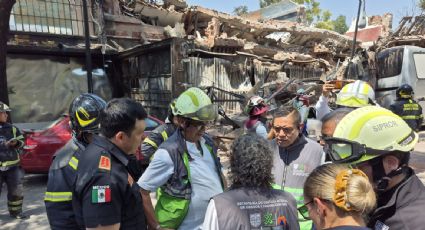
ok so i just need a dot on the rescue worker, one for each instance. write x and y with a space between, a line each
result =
84 116
11 173
157 136
185 168
257 111
407 108
353 95
379 142
253 186
294 156
106 195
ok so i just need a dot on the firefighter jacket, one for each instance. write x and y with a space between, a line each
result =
401 207
155 139
62 174
9 157
410 111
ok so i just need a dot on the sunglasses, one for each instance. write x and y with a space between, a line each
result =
303 210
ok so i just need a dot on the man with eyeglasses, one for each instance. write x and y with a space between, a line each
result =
379 142
185 168
295 156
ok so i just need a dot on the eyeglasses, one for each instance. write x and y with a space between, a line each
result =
303 210
286 130
199 124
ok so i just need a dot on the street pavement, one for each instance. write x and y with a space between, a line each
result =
35 186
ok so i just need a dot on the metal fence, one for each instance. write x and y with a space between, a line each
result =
63 17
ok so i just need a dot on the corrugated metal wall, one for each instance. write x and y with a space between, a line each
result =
223 74
300 72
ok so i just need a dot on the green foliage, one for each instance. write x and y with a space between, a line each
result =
421 4
340 25
240 10
327 25
321 18
312 9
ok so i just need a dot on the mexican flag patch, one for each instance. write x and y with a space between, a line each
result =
101 194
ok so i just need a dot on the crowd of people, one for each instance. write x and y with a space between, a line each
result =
356 177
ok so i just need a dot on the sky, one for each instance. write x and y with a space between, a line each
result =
398 8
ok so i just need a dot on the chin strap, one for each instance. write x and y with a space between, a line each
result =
381 179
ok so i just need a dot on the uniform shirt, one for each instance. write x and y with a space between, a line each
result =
104 192
204 180
62 174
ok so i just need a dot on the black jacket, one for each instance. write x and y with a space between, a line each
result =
403 208
105 194
410 111
9 157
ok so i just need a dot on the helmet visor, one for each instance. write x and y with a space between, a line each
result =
206 113
346 151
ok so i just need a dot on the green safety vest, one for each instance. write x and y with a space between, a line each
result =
174 197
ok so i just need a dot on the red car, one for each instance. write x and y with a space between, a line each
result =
40 145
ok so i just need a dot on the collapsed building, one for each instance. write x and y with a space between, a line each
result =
152 52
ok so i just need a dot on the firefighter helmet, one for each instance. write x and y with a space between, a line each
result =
356 94
405 91
196 105
84 113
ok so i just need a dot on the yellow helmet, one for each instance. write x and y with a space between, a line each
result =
195 104
356 94
369 132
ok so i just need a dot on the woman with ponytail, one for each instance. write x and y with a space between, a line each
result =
338 198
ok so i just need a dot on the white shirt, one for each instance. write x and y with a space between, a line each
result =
204 180
211 220
322 107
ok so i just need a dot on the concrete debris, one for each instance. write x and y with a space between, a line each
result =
175 4
176 32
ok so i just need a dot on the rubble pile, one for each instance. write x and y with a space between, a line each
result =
267 40
411 31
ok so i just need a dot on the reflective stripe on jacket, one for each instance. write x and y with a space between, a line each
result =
410 111
155 139
62 175
9 157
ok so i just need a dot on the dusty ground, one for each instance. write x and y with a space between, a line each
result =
35 186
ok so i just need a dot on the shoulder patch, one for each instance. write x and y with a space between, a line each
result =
101 194
105 163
